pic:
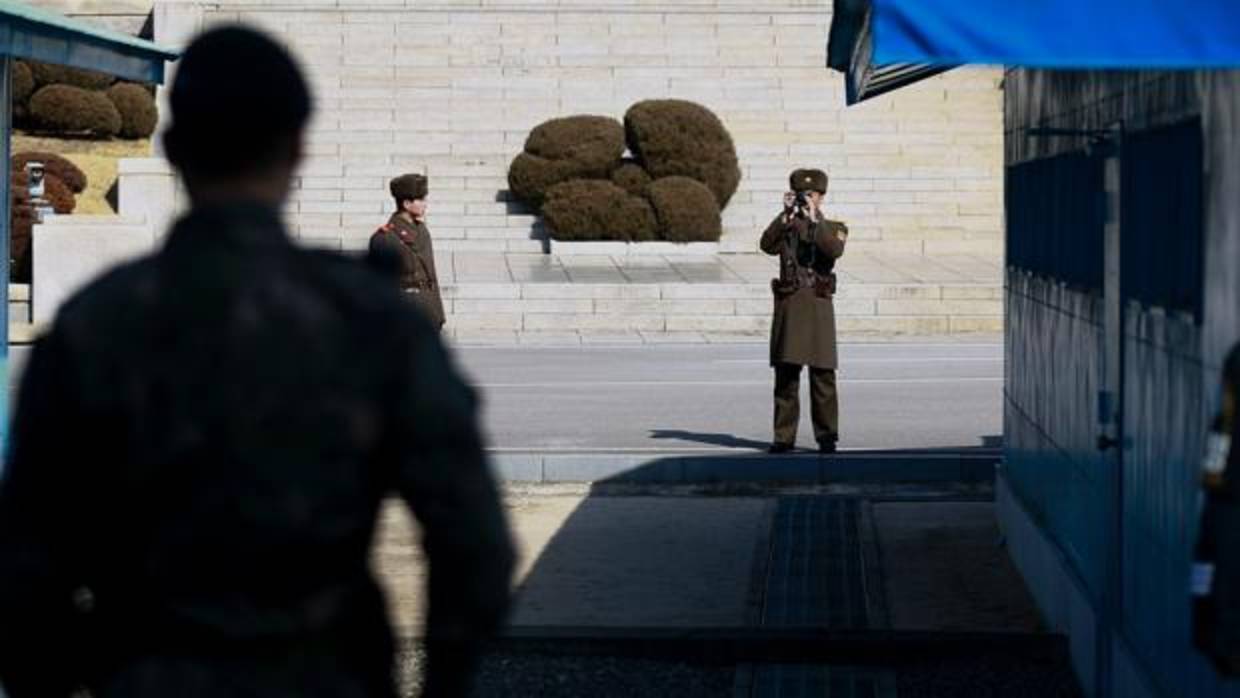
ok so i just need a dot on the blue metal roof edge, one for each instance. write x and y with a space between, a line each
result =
38 34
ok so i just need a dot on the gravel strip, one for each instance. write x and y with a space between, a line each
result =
550 676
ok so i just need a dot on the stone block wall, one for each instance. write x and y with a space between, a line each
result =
452 88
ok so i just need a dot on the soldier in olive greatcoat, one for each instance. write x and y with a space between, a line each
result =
803 327
406 237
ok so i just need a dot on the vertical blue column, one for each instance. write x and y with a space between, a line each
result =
1110 409
6 130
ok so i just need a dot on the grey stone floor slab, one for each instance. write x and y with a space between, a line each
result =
945 569
607 561
862 267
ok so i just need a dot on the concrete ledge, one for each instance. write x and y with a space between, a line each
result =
626 249
69 254
25 332
716 467
733 645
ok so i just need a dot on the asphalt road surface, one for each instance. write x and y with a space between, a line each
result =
718 396
707 397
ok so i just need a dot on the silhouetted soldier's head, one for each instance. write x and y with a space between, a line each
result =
239 109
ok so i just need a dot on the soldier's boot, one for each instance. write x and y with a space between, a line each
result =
824 408
787 406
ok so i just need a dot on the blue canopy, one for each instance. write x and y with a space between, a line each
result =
1059 33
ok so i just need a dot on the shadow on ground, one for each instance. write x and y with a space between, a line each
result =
895 580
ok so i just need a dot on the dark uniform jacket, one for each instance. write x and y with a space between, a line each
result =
202 442
411 243
803 327
1218 634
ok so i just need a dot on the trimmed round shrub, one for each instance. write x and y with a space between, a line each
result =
23 85
572 147
55 165
55 191
596 140
23 82
594 209
48 74
672 137
631 177
529 176
685 209
65 109
137 109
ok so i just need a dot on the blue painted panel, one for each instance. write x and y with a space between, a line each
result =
1059 33
1054 371
1054 354
1166 416
1054 214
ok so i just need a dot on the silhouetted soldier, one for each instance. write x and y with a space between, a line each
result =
205 435
406 242
803 323
1215 580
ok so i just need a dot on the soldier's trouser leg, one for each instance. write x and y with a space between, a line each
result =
824 404
787 402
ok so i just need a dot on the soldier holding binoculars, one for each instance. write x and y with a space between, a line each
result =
803 326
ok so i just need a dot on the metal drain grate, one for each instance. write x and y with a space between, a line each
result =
817 681
816 573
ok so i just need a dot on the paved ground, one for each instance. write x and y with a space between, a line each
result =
717 396
858 267
658 576
712 562
610 561
945 569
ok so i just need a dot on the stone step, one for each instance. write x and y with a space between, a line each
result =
974 466
21 333
575 311
956 297
506 327
19 303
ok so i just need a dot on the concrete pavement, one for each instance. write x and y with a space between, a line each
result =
717 397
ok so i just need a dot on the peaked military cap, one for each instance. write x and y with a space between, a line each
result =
408 186
808 180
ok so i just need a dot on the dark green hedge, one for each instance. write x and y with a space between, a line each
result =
559 150
682 172
672 137
685 209
137 109
631 177
593 209
66 109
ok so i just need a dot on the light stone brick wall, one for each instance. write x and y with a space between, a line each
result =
452 88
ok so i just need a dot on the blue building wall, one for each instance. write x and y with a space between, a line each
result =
1104 541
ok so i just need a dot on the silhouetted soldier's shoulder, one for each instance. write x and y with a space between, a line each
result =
369 286
117 298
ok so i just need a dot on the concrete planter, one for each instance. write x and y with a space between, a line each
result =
634 249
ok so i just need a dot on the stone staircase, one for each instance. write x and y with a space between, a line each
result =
534 298
453 88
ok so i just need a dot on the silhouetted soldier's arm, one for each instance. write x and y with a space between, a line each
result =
38 638
444 476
